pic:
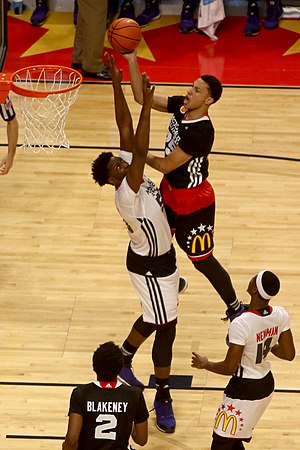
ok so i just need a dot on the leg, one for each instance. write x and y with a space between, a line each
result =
127 10
274 14
138 334
162 357
223 443
93 28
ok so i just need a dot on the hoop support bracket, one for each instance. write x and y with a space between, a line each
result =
5 85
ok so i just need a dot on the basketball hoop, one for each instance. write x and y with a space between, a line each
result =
46 94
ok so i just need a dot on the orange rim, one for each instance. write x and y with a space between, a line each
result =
21 73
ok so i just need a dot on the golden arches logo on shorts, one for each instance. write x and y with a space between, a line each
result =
205 239
227 421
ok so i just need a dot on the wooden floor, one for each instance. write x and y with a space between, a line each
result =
65 289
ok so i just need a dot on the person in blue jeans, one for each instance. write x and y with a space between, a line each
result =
152 12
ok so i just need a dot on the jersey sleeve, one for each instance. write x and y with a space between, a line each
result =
238 332
142 411
76 403
7 111
175 103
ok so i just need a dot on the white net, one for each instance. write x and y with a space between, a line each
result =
45 118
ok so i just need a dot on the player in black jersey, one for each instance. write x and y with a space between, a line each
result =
261 329
188 196
105 413
8 114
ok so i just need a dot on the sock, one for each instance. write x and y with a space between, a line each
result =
128 351
162 389
235 305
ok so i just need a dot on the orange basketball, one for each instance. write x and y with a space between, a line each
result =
124 35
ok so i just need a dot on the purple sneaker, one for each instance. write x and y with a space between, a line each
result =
127 377
274 14
165 420
40 13
187 23
252 24
151 12
127 10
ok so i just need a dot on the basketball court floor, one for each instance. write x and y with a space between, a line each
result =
64 285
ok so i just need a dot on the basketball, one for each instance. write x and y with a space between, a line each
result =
124 35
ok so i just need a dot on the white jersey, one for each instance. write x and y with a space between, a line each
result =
258 332
145 217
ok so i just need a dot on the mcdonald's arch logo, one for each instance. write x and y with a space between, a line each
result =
227 421
205 239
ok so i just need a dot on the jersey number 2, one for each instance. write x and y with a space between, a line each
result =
104 431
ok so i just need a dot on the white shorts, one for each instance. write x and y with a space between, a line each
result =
237 418
158 297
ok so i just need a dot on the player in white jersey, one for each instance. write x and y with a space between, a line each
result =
8 114
151 259
252 335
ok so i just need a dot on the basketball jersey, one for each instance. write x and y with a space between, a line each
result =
144 214
258 331
108 415
195 137
7 111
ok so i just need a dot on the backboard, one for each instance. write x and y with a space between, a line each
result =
3 32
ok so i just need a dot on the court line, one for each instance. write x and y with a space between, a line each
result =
192 388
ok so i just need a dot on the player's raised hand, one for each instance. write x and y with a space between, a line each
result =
148 90
116 74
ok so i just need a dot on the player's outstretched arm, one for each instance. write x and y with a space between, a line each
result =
226 367
122 113
141 141
160 102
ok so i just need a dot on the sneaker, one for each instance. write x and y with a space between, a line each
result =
187 23
151 12
183 285
105 75
274 14
231 314
127 377
165 420
252 24
40 13
127 10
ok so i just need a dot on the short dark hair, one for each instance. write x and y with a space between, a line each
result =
108 361
99 168
214 85
270 283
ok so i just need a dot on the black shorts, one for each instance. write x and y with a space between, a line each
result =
194 232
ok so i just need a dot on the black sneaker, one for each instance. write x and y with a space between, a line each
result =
127 10
183 285
40 13
274 14
105 75
187 23
252 24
